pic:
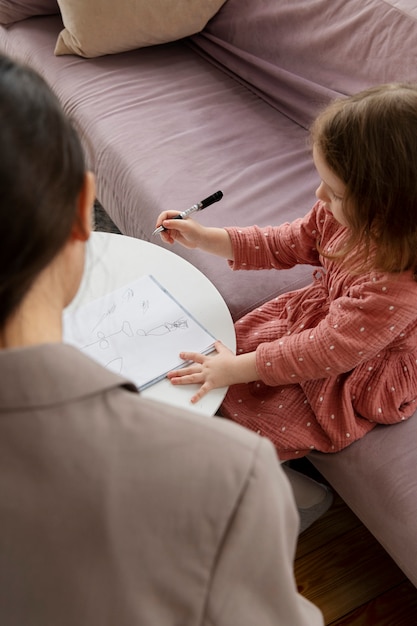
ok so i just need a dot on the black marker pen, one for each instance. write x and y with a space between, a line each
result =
215 197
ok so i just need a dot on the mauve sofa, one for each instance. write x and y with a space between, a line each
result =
229 108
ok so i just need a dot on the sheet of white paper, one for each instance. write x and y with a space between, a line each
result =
137 331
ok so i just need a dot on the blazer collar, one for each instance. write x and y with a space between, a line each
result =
49 374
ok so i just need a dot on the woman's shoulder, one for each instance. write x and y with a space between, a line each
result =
105 415
221 440
219 456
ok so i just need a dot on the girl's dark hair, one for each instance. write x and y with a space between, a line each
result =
369 141
41 175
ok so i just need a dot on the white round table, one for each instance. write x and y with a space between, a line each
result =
115 260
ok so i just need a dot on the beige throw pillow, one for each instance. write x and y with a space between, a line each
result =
97 27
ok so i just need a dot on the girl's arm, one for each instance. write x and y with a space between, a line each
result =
191 234
284 246
359 326
254 247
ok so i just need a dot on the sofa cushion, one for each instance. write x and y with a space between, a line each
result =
298 54
21 9
97 27
376 477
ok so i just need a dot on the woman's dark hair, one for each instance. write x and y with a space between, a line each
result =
369 141
41 175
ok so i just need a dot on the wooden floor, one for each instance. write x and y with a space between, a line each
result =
342 569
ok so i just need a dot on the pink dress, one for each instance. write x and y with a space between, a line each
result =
335 358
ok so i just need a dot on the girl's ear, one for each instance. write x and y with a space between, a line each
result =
83 223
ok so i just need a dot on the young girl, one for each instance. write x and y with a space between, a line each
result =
319 367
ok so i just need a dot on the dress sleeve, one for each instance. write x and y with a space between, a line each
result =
280 247
253 579
371 316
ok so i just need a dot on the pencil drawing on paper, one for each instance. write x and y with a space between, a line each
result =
165 327
137 331
103 341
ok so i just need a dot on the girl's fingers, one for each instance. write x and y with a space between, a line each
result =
188 379
184 372
200 393
195 357
166 215
167 237
193 374
175 225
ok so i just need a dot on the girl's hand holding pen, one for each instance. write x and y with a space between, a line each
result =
215 197
174 226
192 234
186 232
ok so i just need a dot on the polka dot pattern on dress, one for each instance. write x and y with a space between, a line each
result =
306 341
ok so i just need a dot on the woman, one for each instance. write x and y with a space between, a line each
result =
114 510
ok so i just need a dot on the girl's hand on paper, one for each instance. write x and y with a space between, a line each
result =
221 369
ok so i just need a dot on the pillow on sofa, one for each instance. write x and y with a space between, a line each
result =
100 27
21 9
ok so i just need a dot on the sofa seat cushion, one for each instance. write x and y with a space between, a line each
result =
376 477
164 129
309 52
16 10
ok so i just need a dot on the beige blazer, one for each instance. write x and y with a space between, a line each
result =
116 511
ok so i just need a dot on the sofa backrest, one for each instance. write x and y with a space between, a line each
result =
298 54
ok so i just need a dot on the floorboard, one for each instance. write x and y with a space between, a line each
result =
343 569
396 607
